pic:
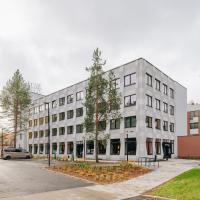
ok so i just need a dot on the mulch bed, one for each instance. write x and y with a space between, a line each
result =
103 173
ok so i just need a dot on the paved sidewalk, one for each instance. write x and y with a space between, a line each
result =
123 190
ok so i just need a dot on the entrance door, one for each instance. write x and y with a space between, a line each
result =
167 151
79 150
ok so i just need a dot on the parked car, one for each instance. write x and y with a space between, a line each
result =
12 153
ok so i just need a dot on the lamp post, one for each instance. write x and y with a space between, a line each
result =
127 144
84 148
48 147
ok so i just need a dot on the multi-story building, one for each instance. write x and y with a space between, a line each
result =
153 114
193 119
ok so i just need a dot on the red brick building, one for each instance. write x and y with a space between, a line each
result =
189 146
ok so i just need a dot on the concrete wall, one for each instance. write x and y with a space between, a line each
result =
188 147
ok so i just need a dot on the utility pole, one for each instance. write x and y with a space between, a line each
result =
127 147
2 145
49 153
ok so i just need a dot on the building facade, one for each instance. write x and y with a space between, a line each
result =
193 119
153 114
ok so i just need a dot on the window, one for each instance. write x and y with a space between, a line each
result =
30 123
149 79
41 108
70 114
102 125
165 107
46 119
61 116
79 112
54 104
46 132
193 114
70 99
158 146
158 124
54 131
30 148
130 79
61 148
102 147
171 127
157 104
35 134
157 84
62 101
165 89
47 147
79 96
41 134
130 146
171 91
30 135
130 100
149 146
41 148
54 148
70 130
172 146
41 120
148 122
114 124
171 110
90 147
130 122
46 105
116 83
165 125
62 131
35 149
114 146
35 110
194 125
35 122
70 147
149 100
54 118
79 128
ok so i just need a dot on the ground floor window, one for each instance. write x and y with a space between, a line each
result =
30 148
35 148
47 148
70 147
54 148
172 146
130 146
149 146
41 148
90 147
115 146
79 149
61 148
102 147
158 146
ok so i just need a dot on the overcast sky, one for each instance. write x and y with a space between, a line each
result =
52 41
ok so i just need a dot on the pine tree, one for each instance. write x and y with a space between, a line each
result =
102 100
15 99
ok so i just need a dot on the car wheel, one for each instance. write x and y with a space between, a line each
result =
28 157
7 157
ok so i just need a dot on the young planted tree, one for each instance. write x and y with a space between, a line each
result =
15 99
102 99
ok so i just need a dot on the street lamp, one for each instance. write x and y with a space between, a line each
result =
48 147
127 144
84 147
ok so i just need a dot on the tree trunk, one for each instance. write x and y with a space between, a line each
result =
15 123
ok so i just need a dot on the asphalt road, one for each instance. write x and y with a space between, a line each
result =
23 177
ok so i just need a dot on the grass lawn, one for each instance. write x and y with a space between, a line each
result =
183 187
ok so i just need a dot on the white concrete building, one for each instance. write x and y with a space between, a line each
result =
153 110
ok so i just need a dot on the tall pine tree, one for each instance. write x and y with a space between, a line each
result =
15 99
102 100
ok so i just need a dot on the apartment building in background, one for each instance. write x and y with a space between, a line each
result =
188 146
153 114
